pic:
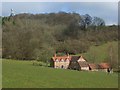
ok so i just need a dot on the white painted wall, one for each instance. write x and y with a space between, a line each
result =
84 68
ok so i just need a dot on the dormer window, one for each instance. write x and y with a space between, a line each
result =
67 60
57 60
62 60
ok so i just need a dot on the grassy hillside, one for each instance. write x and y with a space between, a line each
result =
23 74
102 53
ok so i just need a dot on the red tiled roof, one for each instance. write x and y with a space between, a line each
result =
104 65
61 57
72 58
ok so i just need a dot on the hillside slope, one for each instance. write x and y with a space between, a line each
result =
104 53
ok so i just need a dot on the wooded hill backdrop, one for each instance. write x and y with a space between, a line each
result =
28 37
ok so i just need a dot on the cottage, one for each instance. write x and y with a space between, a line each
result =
60 61
78 63
93 67
104 67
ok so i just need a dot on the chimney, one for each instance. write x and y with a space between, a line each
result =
55 55
68 55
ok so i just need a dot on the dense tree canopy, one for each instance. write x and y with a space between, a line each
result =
28 36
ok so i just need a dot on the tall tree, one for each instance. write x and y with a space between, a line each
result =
86 20
98 22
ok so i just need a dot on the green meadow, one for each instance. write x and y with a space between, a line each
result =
98 54
22 74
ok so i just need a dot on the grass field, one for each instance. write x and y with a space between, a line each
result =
101 53
22 74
